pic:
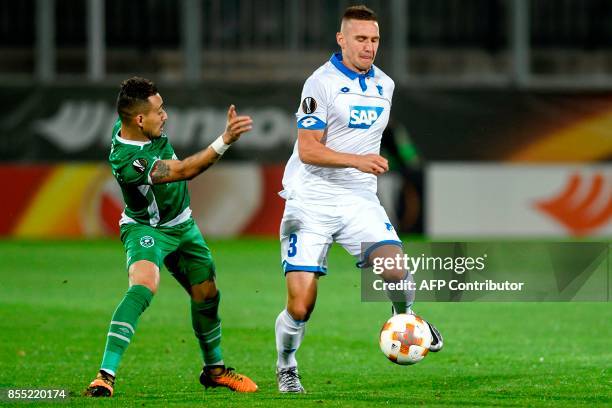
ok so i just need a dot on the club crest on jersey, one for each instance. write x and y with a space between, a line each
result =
309 105
362 117
147 241
140 165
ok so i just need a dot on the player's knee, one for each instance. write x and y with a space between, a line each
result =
150 284
144 273
300 311
394 274
202 291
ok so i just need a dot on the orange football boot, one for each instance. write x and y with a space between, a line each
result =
227 378
102 386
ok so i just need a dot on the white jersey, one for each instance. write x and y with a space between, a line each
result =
353 109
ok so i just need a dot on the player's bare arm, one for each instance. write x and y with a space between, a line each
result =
313 151
166 171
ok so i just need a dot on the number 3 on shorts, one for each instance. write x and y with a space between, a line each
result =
292 248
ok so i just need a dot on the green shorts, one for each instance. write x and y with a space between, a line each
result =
181 248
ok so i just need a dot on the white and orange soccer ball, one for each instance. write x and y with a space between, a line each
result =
405 339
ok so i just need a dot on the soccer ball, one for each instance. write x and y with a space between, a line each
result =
405 339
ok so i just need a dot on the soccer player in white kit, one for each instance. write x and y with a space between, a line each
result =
330 182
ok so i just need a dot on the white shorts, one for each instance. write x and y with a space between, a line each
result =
308 230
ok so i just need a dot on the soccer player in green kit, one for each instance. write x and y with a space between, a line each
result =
157 227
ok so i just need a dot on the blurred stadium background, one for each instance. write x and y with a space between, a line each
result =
500 126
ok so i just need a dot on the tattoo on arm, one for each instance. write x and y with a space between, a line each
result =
159 172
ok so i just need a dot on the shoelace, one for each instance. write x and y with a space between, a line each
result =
289 378
106 378
230 372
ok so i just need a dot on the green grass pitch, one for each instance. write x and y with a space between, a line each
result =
56 299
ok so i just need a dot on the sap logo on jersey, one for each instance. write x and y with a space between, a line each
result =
362 117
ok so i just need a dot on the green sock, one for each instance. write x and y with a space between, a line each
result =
207 328
123 325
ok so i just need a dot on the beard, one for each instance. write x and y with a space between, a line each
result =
152 135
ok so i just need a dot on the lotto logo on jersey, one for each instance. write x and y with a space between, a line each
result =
362 117
311 123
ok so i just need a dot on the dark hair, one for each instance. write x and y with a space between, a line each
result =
134 95
359 13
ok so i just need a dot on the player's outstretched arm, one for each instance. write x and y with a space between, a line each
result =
313 151
166 171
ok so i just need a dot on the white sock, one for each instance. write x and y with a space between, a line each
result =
289 335
402 301
107 371
216 363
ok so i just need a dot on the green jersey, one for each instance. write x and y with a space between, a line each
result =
159 205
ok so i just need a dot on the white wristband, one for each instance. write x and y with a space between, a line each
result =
219 146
